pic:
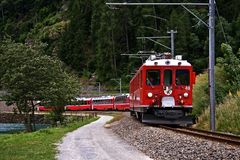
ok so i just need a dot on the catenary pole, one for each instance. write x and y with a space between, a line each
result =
212 62
99 87
119 81
172 32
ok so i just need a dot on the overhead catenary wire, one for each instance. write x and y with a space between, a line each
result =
220 21
221 24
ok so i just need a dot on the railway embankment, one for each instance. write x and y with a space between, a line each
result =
160 144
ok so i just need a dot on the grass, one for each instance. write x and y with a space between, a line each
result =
116 117
40 145
227 116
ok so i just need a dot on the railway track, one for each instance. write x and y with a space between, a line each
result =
214 136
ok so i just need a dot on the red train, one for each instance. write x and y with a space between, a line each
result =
161 91
80 105
103 103
120 102
43 108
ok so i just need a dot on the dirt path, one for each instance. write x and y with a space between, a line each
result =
94 142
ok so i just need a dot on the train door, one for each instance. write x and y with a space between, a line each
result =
168 99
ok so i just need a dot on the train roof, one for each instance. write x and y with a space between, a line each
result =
123 95
154 61
103 98
82 99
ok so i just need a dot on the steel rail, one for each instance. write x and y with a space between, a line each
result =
214 136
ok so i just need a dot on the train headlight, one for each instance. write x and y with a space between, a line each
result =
150 94
185 94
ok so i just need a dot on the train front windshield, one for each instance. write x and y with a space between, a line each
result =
182 77
168 77
153 77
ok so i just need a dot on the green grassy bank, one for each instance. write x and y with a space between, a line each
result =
116 117
40 145
227 103
227 116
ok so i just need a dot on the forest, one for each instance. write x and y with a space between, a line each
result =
89 36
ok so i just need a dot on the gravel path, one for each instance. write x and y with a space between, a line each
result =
94 142
161 144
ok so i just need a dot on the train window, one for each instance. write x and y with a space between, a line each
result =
120 99
182 77
168 77
153 77
79 102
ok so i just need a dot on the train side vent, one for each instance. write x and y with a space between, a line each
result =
178 57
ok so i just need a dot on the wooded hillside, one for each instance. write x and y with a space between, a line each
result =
90 36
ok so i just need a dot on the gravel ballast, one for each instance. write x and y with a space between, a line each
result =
161 144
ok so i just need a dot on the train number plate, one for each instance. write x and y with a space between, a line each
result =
168 102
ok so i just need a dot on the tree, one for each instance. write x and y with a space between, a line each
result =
230 62
75 47
29 76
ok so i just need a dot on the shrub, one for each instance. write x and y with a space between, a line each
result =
201 90
227 116
200 95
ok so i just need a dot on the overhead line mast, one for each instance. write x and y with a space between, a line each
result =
211 27
212 62
172 32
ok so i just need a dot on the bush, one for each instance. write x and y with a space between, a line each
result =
227 116
230 62
200 94
56 117
201 90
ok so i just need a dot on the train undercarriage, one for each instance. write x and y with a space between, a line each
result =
167 116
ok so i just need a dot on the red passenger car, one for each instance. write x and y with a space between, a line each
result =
80 105
43 108
161 91
103 103
121 102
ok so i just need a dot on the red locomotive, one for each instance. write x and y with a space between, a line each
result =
161 91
